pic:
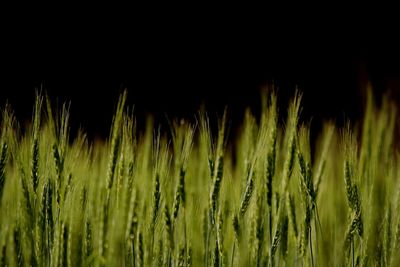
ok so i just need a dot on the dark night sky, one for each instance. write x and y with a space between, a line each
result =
171 66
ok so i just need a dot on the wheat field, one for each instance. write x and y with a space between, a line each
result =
190 196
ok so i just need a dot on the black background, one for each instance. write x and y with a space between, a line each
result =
174 63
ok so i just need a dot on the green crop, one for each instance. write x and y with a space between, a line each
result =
191 196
